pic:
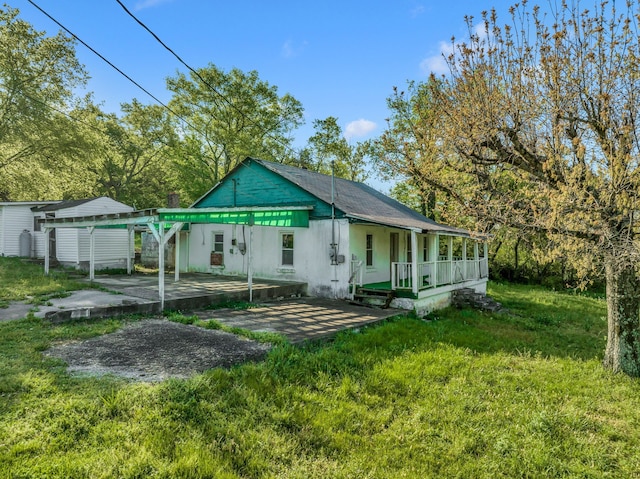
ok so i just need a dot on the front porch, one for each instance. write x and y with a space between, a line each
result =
447 263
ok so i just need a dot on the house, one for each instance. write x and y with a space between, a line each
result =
19 233
336 235
71 246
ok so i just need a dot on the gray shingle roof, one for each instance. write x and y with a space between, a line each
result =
63 205
358 200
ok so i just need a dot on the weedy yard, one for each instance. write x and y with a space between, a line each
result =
465 394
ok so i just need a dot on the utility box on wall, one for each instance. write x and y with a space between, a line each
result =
217 259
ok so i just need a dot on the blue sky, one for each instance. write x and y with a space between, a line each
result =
338 58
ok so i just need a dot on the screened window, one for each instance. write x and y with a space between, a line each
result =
217 249
409 252
425 249
287 249
369 250
218 242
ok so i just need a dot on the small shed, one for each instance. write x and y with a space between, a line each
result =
16 220
71 246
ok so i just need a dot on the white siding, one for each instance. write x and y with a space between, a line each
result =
67 245
381 268
74 245
1 231
311 254
16 219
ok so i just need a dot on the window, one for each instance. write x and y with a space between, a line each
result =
217 249
287 249
369 250
36 225
409 252
425 249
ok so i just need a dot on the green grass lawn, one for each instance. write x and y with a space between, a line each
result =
22 280
465 395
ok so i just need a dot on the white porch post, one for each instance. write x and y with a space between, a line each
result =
129 247
450 257
414 262
486 256
434 256
92 253
476 259
464 259
45 232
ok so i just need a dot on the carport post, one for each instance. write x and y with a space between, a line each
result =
92 252
161 265
250 261
176 261
45 232
129 247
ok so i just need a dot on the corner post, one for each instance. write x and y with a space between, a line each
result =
45 232
92 253
414 262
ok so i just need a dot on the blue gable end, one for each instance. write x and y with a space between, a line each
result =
251 184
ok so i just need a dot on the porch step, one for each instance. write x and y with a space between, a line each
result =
468 298
380 298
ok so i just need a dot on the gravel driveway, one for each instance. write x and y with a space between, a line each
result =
156 349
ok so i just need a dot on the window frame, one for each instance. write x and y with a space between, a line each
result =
369 250
215 243
284 249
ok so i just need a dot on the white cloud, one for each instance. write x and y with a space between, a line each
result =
436 63
149 4
359 128
290 50
417 11
480 30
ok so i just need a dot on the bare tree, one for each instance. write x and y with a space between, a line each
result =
543 112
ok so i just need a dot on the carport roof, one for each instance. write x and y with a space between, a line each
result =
294 216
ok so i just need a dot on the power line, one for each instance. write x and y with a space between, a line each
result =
212 88
110 64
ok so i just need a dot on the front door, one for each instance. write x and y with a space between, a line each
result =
394 250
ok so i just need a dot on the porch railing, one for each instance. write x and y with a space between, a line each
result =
356 276
438 273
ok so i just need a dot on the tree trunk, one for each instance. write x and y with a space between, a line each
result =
623 307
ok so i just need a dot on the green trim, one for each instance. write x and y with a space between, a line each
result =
386 285
281 218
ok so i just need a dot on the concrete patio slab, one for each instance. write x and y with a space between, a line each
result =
303 319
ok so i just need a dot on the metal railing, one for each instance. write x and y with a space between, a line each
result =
356 276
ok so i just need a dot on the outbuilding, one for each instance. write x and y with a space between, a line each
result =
71 247
20 234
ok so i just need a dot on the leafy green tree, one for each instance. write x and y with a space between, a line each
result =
413 152
132 154
328 148
543 113
227 117
37 78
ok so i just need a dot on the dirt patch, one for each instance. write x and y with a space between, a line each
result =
155 350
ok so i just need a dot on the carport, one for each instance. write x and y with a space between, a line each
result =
164 223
